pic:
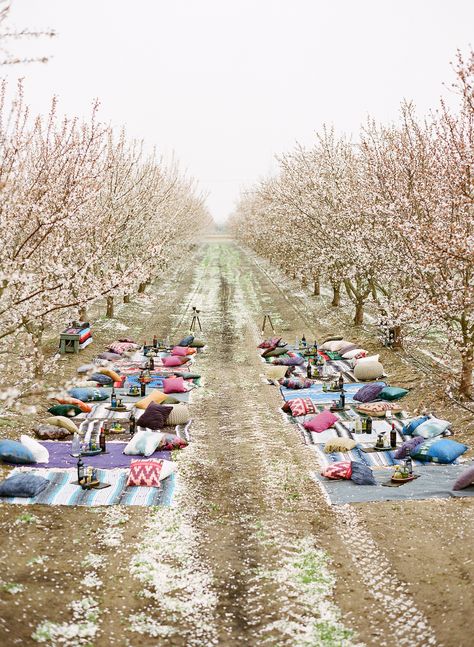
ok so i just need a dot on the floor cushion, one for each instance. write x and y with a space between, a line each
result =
154 396
51 432
339 445
23 485
180 351
465 479
174 385
320 422
40 453
335 345
439 450
170 400
172 442
352 354
197 344
12 451
365 371
179 415
109 356
369 392
110 373
88 394
301 407
173 361
347 349
407 447
338 470
154 416
149 473
66 399
274 352
296 382
120 347
86 368
100 378
69 410
392 393
432 427
410 427
186 340
288 361
362 474
63 422
270 343
378 409
366 358
143 443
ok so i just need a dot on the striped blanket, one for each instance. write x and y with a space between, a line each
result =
316 393
61 491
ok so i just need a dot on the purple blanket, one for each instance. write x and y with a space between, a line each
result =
60 456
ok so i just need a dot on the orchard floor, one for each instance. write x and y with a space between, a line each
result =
247 511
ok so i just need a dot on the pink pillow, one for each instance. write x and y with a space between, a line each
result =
321 422
340 470
171 361
180 351
174 385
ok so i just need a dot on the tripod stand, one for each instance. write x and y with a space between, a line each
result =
195 320
265 319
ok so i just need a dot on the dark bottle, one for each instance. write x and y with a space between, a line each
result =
102 439
151 364
341 381
113 399
409 464
342 400
80 471
393 436
308 370
303 341
142 388
369 425
133 424
155 341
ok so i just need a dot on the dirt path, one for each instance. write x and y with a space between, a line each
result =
252 554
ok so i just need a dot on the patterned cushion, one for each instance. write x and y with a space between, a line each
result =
179 415
288 361
369 392
274 352
439 450
408 446
296 383
301 407
143 443
270 343
339 445
431 427
378 408
339 470
171 442
122 347
321 422
145 473
410 427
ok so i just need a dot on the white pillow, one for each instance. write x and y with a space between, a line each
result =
366 371
352 353
275 372
335 346
143 443
370 358
167 468
40 453
432 427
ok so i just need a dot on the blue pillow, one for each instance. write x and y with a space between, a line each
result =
392 393
12 451
186 341
431 428
24 485
362 474
410 427
88 394
439 450
100 378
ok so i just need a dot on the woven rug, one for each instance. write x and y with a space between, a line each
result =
61 491
316 393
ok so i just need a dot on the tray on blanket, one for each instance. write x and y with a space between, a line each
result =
95 485
399 482
371 450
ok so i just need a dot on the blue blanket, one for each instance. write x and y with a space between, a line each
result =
317 394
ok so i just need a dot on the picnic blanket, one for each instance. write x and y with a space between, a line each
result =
60 455
61 491
435 482
316 393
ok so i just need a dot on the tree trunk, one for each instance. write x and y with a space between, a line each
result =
336 295
304 280
110 307
317 288
467 366
359 313
126 298
83 313
141 288
397 337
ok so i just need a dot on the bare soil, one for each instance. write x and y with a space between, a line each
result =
246 500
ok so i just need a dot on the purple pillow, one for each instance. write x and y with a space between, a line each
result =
110 356
154 416
465 479
369 392
288 361
408 446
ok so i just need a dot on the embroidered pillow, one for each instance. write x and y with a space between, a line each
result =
154 416
174 385
338 470
296 383
301 407
378 408
172 442
369 392
321 422
145 473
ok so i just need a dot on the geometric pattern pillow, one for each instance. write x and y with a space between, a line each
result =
339 470
295 383
145 472
379 408
301 407
172 442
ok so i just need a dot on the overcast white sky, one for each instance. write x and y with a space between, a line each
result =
226 84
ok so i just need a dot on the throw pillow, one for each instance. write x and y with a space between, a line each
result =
352 354
197 344
333 338
179 415
296 383
410 427
274 352
69 410
170 400
154 396
439 450
365 371
339 445
392 393
104 380
111 373
180 351
172 442
174 385
63 422
347 349
362 474
338 470
149 473
321 422
109 356
407 447
431 427
143 443
335 345
273 372
11 451
40 453
369 392
186 340
86 368
301 407
366 358
378 408
154 416
65 399
23 485
465 479
88 395
51 432
270 343
173 361
288 361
